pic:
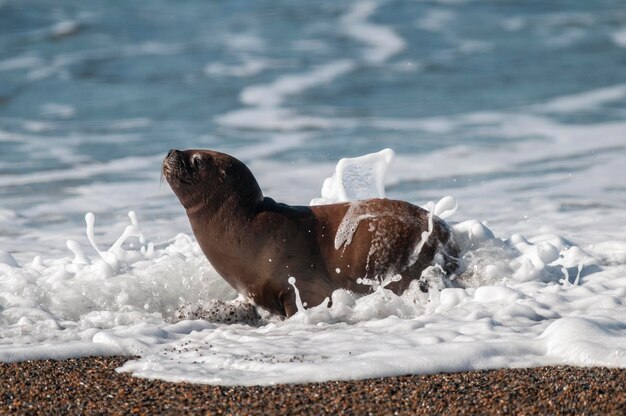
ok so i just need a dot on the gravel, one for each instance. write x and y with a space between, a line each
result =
92 386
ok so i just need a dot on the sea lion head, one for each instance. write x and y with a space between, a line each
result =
209 178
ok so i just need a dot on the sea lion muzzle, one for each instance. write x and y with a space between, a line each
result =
175 168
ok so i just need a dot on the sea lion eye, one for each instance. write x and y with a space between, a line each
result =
196 161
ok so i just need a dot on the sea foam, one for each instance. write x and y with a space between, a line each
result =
524 302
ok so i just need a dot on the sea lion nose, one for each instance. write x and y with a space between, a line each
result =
172 160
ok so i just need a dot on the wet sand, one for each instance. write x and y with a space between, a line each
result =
92 386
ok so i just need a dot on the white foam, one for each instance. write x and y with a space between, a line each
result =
249 67
244 42
57 65
514 324
357 178
534 300
446 207
7 259
349 224
619 37
20 63
64 28
78 172
272 119
424 237
273 94
265 111
382 41
586 100
436 20
276 143
514 24
47 303
57 110
129 123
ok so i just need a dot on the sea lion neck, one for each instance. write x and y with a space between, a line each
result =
245 203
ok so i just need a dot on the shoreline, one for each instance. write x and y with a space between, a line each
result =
92 386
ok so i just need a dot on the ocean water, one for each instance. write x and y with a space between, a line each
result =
517 110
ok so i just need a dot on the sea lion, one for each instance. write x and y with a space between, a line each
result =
257 244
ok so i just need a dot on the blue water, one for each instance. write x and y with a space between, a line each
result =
84 86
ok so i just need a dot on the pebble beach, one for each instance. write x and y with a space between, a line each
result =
93 386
